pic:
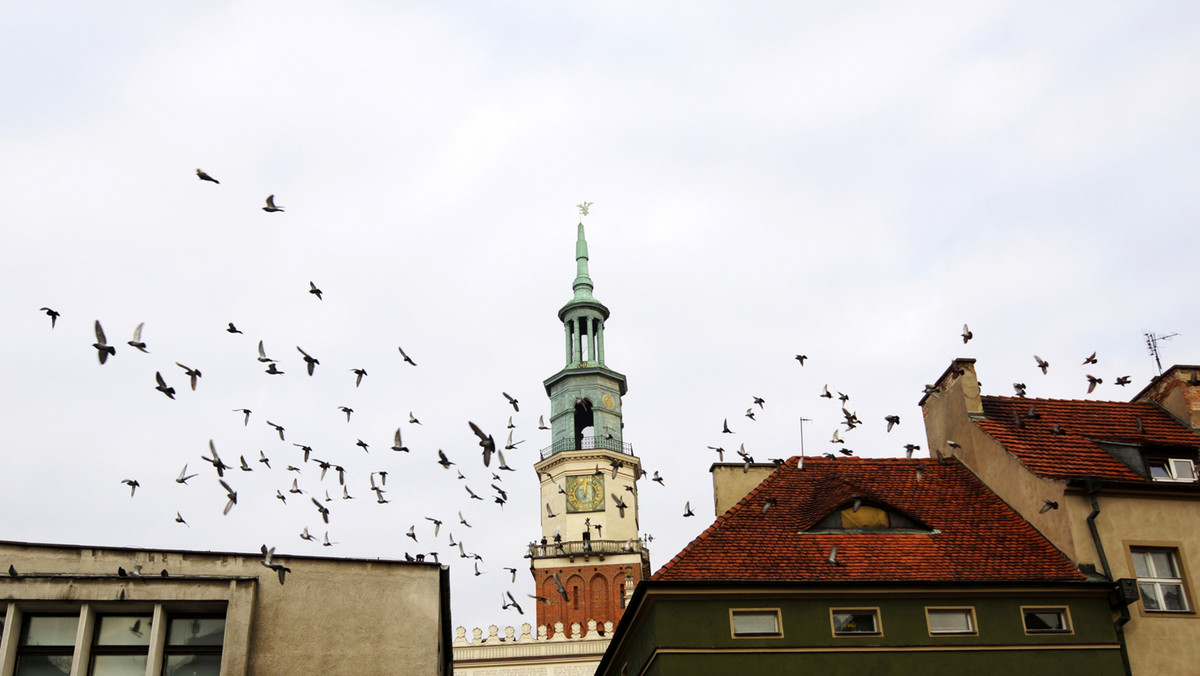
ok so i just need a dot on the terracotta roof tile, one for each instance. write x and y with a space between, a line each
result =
975 536
1074 452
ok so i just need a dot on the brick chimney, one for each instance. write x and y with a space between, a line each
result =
1178 392
949 405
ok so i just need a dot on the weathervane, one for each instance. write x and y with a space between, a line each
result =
583 208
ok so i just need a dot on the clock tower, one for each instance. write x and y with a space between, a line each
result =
589 556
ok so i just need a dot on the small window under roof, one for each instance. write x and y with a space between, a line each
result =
858 516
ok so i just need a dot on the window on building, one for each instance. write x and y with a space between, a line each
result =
1046 620
950 620
194 645
860 517
47 645
751 622
121 644
1172 469
1159 580
855 621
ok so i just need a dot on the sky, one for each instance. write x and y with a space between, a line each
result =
849 181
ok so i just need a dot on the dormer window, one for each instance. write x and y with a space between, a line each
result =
1172 469
863 518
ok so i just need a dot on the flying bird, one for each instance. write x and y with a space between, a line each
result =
268 555
485 441
262 355
203 176
271 205
832 558
52 314
908 450
102 347
278 428
312 288
687 509
191 372
966 334
619 504
542 423
398 445
892 420
133 485
137 343
443 460
405 356
1123 380
511 400
1047 506
412 419
1019 388
262 457
184 476
179 519
162 386
322 509
750 413
1042 363
246 413
1090 360
800 358
359 373
725 427
347 410
215 460
1093 381
230 494
310 361
825 393
232 328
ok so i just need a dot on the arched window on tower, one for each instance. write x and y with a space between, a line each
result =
598 603
584 421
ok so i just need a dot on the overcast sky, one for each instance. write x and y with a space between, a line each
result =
849 181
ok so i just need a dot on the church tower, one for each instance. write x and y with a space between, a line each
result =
590 556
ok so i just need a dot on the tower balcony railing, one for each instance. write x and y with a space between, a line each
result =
587 444
585 548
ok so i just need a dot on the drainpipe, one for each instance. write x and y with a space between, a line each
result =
1092 486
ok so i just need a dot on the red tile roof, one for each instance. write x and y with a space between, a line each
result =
1074 453
976 537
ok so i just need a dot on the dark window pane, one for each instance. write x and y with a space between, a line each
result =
1045 620
854 623
193 665
118 665
43 665
188 631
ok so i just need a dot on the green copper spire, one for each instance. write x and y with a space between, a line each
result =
583 283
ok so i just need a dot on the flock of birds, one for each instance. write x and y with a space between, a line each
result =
296 486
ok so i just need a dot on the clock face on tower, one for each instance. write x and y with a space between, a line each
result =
585 493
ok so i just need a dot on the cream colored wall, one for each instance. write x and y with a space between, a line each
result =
613 525
948 418
332 616
731 483
1159 643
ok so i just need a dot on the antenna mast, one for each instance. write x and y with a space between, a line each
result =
1152 347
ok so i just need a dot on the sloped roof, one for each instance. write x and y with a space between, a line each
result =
976 537
1074 453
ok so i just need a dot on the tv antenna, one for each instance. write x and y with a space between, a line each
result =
1152 347
802 421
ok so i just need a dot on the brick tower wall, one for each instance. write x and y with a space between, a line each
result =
594 592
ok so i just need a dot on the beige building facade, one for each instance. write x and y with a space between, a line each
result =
1111 484
88 610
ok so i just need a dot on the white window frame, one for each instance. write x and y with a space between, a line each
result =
1063 611
873 611
1157 580
774 613
972 625
1180 470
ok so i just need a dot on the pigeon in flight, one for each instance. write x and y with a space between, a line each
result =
232 328
892 421
1093 381
966 334
262 355
191 372
278 428
215 460
230 494
310 361
271 205
399 446
347 410
133 485
542 423
1123 380
800 358
137 343
203 176
246 413
359 373
162 386
485 441
405 356
687 509
1090 360
268 556
184 476
512 401
101 344
1042 363
312 288
52 314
